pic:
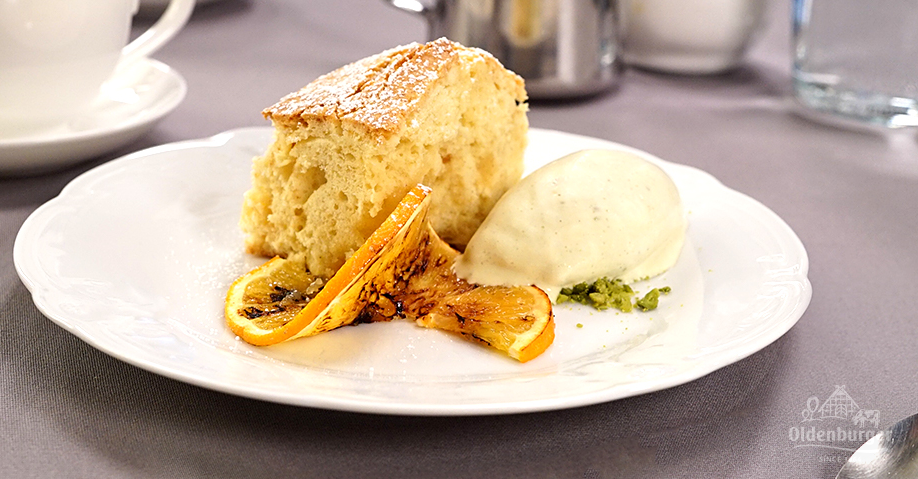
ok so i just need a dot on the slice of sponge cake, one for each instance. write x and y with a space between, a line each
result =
349 145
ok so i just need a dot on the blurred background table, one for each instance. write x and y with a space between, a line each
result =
68 410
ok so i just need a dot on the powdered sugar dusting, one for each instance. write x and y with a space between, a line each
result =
378 92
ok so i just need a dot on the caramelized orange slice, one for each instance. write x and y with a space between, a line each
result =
404 270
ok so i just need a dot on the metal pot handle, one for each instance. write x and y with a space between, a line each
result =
415 6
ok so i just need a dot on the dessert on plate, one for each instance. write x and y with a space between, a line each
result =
379 169
594 213
352 143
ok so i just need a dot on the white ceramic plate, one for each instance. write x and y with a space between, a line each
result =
135 257
129 105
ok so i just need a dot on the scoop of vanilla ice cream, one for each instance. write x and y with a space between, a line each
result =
590 214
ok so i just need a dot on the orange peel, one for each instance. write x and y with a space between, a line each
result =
404 270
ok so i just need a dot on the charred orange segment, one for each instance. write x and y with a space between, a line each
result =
341 300
404 270
517 321
270 295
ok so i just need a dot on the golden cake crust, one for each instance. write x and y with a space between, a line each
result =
378 92
348 146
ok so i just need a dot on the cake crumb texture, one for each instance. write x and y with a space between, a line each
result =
348 146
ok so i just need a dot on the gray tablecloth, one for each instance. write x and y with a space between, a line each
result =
68 410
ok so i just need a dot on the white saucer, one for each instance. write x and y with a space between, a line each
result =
129 105
165 3
156 7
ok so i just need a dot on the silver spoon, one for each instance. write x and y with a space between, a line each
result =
890 454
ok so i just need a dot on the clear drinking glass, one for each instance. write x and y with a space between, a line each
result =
858 59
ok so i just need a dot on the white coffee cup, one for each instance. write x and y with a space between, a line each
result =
688 36
55 55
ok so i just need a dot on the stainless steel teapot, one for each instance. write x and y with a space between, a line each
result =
562 48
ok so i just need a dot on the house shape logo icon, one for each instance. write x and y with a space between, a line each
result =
837 423
840 405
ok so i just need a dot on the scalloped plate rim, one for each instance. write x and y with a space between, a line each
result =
705 363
